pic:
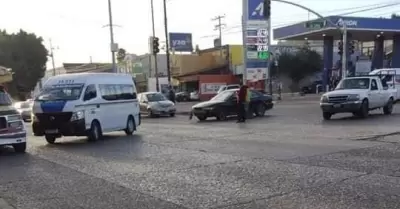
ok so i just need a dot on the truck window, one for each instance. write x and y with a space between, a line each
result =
354 83
374 85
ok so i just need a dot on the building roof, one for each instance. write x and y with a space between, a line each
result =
361 28
86 67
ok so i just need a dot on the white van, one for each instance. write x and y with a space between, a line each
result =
86 104
392 78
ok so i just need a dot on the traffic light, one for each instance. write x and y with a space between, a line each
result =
267 9
156 45
351 47
340 48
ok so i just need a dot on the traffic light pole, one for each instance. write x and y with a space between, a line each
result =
344 55
154 54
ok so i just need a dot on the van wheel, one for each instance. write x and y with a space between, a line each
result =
50 139
130 126
95 132
388 109
20 148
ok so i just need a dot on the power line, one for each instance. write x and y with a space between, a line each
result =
218 27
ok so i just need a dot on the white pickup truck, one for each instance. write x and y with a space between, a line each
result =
357 95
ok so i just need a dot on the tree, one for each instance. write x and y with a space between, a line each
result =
299 65
121 55
395 16
26 55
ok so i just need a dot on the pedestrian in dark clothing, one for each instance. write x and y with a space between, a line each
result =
241 99
171 94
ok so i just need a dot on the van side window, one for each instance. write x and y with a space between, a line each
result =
90 92
113 92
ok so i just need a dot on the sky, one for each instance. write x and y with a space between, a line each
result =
79 33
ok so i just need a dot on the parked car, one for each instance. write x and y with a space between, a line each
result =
312 88
194 96
25 109
155 104
224 105
182 96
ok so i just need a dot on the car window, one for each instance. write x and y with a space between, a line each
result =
233 87
255 94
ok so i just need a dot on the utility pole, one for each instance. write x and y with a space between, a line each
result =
344 55
167 42
219 28
112 44
52 57
154 54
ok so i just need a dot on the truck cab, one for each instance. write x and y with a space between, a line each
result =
358 95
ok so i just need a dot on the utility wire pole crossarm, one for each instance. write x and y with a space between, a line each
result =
219 27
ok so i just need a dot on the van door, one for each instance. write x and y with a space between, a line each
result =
92 110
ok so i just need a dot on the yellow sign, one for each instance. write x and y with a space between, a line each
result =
236 54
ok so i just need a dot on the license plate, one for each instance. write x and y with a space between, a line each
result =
55 131
337 105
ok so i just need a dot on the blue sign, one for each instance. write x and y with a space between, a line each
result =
181 42
256 64
255 10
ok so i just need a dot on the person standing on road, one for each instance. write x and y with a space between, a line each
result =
171 94
241 102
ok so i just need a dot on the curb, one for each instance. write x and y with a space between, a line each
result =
5 205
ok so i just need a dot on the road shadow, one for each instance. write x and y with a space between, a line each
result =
374 117
232 119
113 146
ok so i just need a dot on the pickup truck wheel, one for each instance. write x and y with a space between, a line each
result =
388 108
364 110
327 115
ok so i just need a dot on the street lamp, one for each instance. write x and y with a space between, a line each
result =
113 46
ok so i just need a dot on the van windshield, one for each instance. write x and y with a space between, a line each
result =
61 92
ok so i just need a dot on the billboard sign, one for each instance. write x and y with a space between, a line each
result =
181 42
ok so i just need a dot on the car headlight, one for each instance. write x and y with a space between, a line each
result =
324 99
78 115
354 97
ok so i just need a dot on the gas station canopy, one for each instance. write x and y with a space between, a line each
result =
361 28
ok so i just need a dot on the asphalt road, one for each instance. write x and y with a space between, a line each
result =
289 159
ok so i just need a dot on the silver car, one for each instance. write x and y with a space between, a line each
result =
156 104
25 109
